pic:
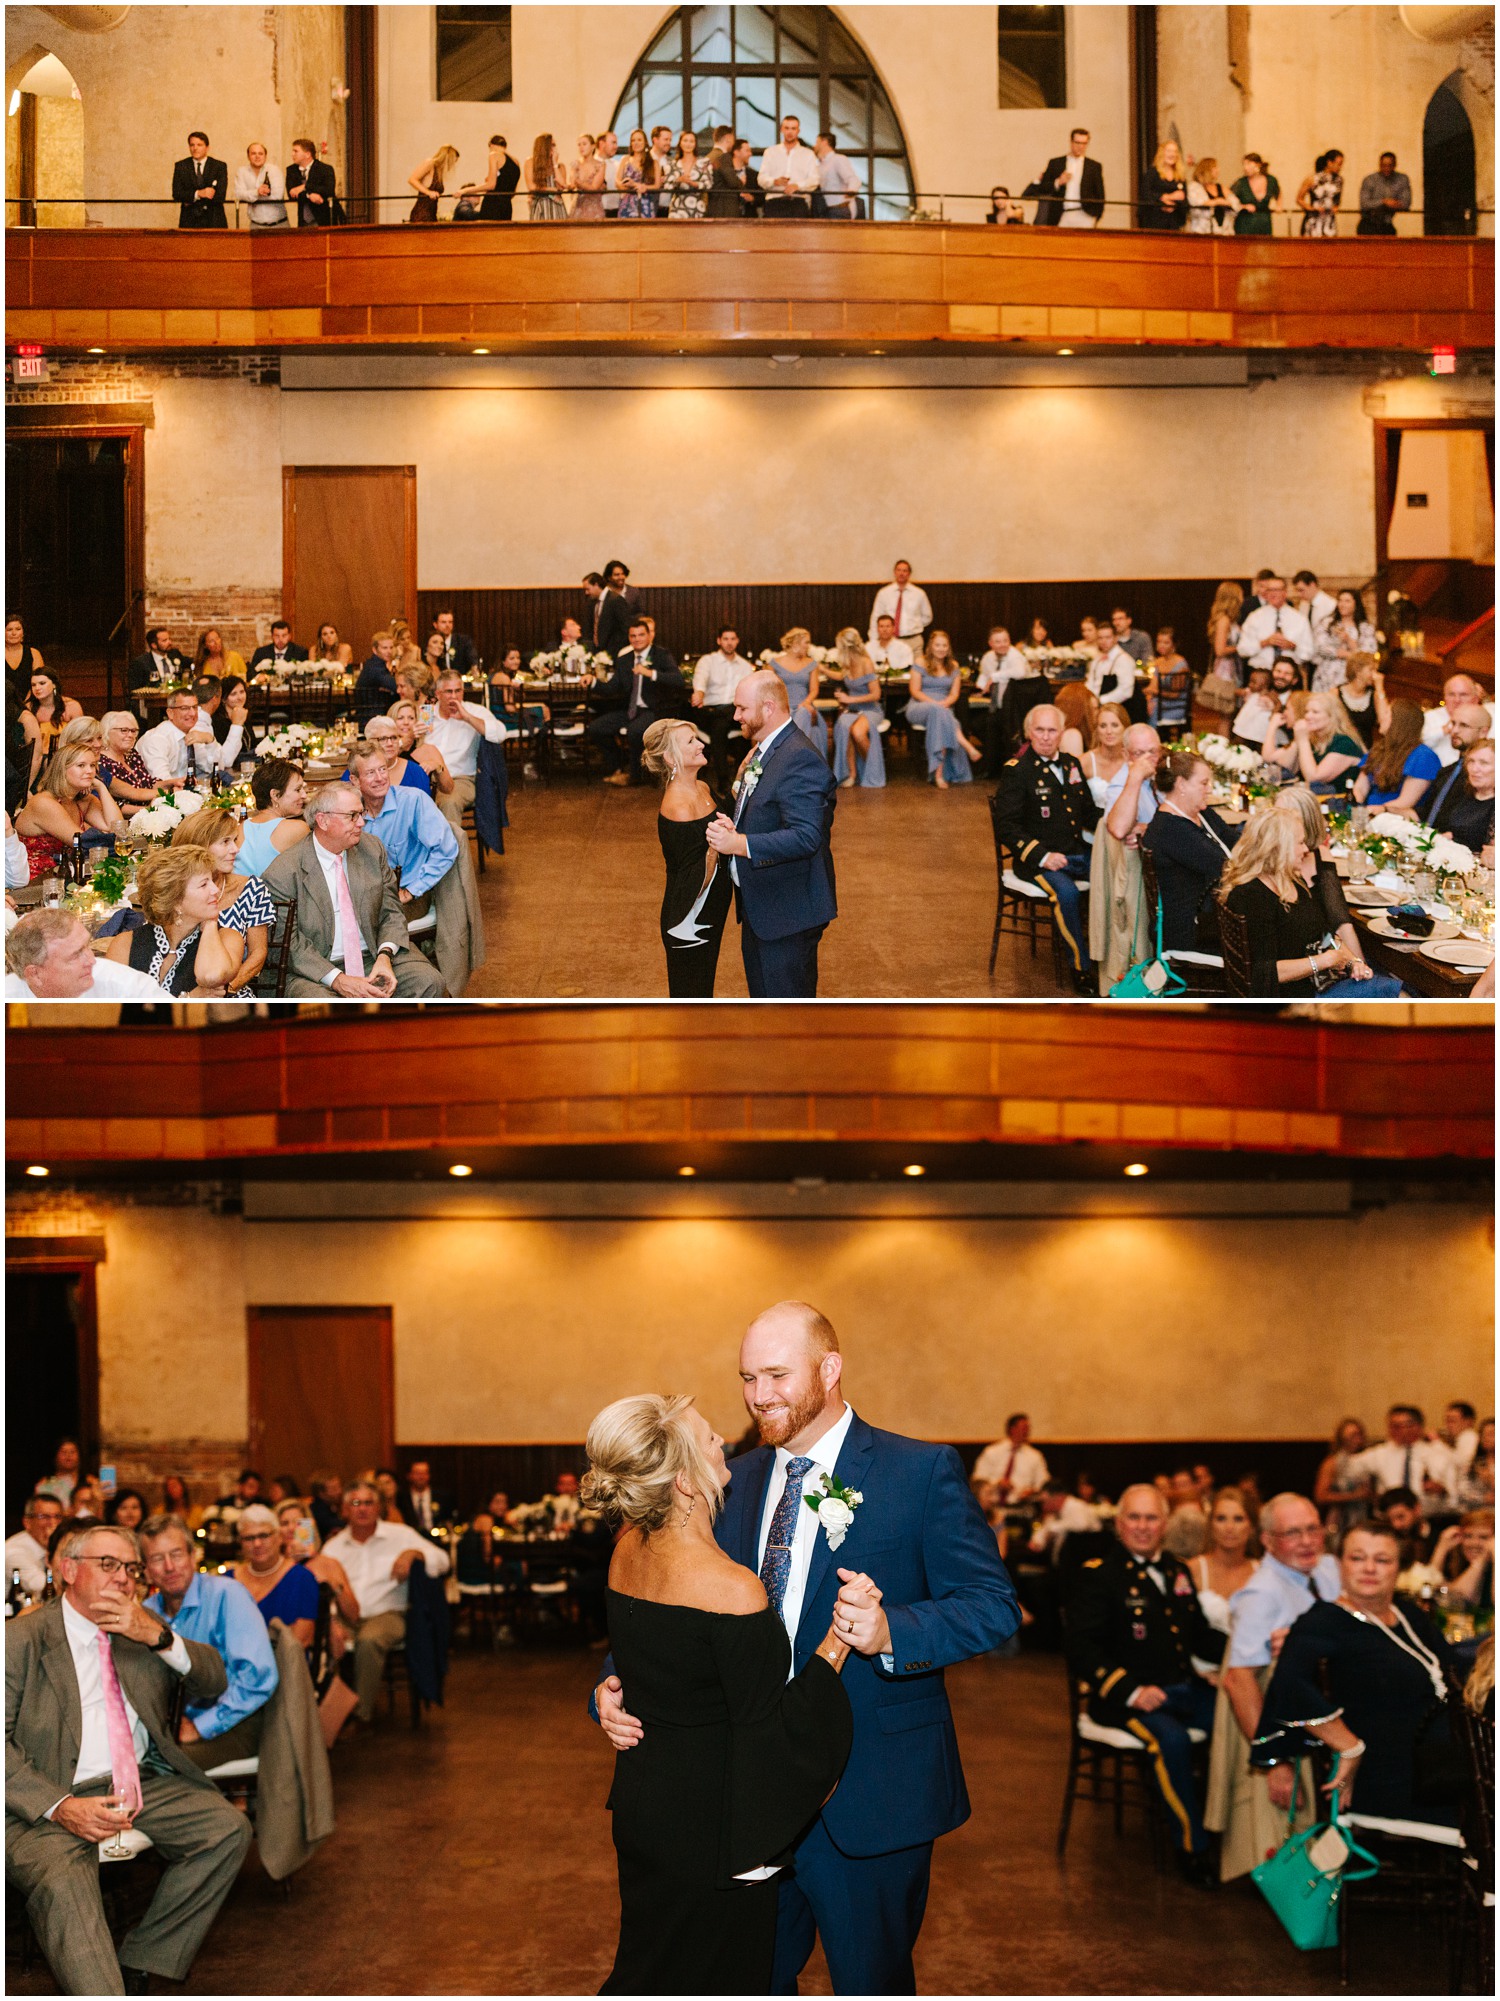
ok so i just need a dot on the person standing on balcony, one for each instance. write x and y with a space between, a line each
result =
199 185
310 182
1069 189
1320 194
789 173
1383 196
261 187
1164 190
1258 193
838 181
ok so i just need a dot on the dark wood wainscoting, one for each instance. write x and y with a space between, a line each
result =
689 616
471 1473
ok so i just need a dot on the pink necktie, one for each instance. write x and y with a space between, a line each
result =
354 960
124 1771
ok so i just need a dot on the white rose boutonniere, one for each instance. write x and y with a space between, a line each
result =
833 1504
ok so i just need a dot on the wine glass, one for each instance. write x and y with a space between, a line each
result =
119 1809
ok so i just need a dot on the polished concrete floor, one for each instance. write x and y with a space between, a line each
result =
572 908
474 1857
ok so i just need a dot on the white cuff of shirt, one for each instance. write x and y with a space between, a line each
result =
888 1662
177 1656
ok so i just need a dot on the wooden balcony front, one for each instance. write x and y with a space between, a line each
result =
751 287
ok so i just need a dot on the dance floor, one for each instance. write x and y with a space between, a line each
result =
473 1857
572 908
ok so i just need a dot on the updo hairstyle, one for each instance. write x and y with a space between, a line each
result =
637 1447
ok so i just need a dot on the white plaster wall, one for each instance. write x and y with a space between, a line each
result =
213 484
983 483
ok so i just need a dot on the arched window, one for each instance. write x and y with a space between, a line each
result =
750 67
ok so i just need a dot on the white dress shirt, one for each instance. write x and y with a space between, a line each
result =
1112 675
907 605
1319 608
1073 213
1259 626
17 862
715 678
457 744
166 752
367 1564
1435 731
247 184
1393 1465
824 1454
756 750
336 869
998 670
1253 718
798 164
24 1553
94 1761
111 981
898 655
839 181
1022 1465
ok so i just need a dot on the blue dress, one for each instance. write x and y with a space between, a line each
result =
295 1597
416 777
945 750
1423 763
259 849
807 720
871 768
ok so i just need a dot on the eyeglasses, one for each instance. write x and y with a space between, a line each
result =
110 1565
260 1535
343 813
1294 1535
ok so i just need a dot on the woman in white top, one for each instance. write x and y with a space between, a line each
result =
1227 1564
1334 645
261 185
1211 207
1106 753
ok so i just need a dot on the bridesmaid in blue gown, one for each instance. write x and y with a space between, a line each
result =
798 672
936 689
858 755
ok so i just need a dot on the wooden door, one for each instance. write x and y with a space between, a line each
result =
321 1388
349 549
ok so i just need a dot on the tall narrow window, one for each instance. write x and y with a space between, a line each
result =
473 55
750 67
1033 58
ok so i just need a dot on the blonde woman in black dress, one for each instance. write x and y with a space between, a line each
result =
695 903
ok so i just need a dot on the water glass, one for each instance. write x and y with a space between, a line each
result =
1359 821
1424 885
52 892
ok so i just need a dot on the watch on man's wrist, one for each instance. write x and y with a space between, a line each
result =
163 1639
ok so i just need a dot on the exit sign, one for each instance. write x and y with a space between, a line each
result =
1444 361
29 368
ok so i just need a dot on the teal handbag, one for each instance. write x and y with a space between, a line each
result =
1303 1886
1152 979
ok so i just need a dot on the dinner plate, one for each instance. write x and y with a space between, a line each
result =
1468 953
1364 894
1442 927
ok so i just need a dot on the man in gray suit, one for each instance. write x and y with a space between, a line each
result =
351 938
89 1681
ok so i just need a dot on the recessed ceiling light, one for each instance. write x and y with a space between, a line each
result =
96 350
481 350
1136 1169
687 1173
1065 350
39 1173
915 1170
460 1173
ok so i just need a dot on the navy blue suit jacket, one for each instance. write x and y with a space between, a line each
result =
920 1535
787 885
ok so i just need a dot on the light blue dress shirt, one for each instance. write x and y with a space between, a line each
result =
416 838
1275 1596
221 1614
1145 806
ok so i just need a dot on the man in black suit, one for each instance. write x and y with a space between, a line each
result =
160 662
310 183
375 688
280 650
608 620
200 184
617 578
1070 189
644 687
422 1509
736 186
460 652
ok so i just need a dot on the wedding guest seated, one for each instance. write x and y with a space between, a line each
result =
245 906
277 823
411 733
327 1491
219 1518
375 684
1229 1558
1460 691
161 661
1062 1514
1186 1533
936 690
50 956
26 1550
282 1487
1169 691
74 1737
1400 1510
1043 810
377 1557
125 1508
282 650
1400 767
70 799
1362 698
1368 1677
182 743
180 943
1476 1481
1269 881
1258 708
891 655
436 872
1189 845
121 767
283 1588
1463 1558
1134 1632
1468 812
1328 888
644 685
177 1500
350 937
1080 707
420 1507
457 731
87 1503
302 1543
219 1613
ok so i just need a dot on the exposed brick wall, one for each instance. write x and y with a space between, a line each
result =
209 1467
129 378
242 614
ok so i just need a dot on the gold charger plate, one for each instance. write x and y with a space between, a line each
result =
1363 895
1466 953
1442 928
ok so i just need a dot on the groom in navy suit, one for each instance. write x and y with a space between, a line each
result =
778 845
860 1876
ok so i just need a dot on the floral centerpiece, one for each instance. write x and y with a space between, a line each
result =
821 654
1393 842
160 820
569 663
1229 759
293 740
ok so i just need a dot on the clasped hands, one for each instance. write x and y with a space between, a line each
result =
378 984
723 839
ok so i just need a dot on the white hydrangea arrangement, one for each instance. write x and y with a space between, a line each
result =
160 820
294 740
1438 852
1230 759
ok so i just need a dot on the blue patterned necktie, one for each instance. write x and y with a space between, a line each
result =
776 1564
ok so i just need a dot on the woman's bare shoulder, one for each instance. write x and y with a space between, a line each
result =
679 804
729 1587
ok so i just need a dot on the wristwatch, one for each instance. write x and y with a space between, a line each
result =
162 1641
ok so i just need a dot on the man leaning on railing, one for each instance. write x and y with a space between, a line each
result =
199 185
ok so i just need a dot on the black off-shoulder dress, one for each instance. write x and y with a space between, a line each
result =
733 1767
694 907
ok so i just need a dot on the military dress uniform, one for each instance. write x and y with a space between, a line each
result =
1046 807
1136 1623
